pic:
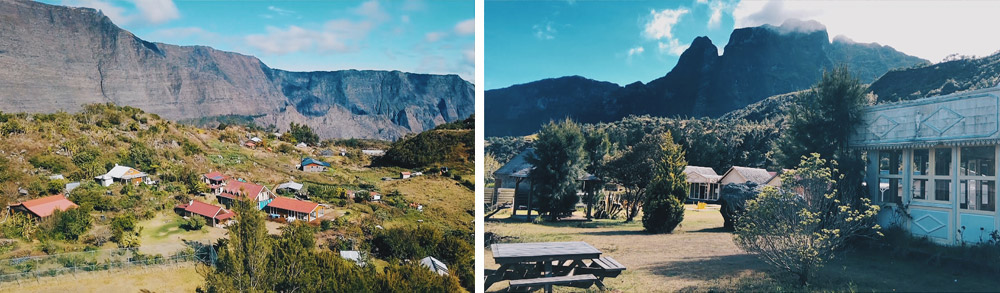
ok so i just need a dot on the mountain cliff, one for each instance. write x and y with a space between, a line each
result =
60 58
758 62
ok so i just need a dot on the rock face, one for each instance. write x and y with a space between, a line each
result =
60 58
938 79
758 62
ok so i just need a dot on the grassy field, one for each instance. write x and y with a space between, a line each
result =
700 256
163 234
180 278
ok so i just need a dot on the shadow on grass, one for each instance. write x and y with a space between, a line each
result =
711 230
617 233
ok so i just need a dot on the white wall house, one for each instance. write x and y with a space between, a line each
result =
937 158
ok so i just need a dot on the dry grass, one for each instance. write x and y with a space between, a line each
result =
700 256
180 278
163 234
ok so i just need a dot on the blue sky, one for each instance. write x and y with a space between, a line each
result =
408 35
628 41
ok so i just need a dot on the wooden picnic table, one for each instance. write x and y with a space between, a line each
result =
540 259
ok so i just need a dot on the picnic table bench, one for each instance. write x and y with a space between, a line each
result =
532 266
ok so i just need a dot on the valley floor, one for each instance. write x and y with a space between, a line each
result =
701 256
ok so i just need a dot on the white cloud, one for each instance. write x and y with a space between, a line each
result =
661 23
466 27
673 46
715 18
147 11
414 5
926 29
404 19
636 51
280 11
337 35
434 36
157 11
544 31
659 27
372 10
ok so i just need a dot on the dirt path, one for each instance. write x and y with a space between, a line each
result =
699 252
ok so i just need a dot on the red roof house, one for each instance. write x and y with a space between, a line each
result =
213 214
44 207
287 207
239 190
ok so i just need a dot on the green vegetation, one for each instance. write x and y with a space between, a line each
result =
559 160
799 231
125 231
251 260
821 121
300 133
442 147
193 223
663 207
66 225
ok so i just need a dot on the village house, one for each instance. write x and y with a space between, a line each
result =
741 175
43 207
215 180
215 216
312 165
353 256
238 190
434 265
373 153
292 209
291 187
404 175
932 164
123 174
513 178
703 183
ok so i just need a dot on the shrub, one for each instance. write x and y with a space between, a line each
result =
733 199
69 224
53 163
799 232
125 231
193 223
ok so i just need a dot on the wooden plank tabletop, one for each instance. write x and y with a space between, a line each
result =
543 251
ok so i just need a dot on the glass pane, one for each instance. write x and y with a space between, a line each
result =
942 162
890 162
890 190
978 161
921 162
919 188
978 195
942 190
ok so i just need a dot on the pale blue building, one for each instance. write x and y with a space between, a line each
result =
932 164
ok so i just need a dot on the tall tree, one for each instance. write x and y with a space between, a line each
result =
821 121
559 161
663 208
596 146
243 259
631 169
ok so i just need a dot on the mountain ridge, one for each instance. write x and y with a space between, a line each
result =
60 58
758 62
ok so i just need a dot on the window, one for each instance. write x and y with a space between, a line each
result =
977 195
931 170
890 170
978 161
890 162
921 162
977 179
919 188
942 162
942 190
890 190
